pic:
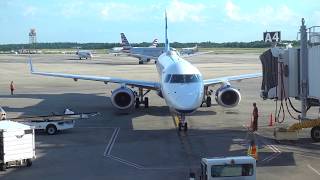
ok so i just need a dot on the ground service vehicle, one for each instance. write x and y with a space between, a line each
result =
228 168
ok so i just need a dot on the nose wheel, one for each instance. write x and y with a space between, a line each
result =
182 125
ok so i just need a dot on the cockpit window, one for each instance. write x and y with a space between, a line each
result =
167 78
184 78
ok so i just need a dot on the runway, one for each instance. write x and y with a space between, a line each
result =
143 144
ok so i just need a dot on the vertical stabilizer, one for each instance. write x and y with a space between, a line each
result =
167 45
124 42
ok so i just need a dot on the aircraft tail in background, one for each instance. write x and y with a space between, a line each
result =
124 42
154 43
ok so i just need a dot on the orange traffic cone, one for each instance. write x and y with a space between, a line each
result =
271 120
252 150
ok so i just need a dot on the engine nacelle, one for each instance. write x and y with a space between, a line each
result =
227 96
123 98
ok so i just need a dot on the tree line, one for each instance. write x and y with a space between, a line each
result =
74 45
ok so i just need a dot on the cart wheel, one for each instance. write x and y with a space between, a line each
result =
3 167
29 162
51 129
315 133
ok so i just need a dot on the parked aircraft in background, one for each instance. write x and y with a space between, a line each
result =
190 50
126 47
144 54
181 86
84 54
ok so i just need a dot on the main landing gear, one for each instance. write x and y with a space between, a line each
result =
207 97
141 99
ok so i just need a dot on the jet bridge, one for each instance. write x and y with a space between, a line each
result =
294 73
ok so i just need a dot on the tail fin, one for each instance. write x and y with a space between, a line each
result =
124 42
167 45
154 43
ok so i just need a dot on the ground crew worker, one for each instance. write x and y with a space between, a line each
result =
11 87
255 117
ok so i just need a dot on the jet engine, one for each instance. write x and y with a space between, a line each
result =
123 98
227 96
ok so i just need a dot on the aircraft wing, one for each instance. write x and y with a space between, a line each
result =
209 82
136 83
195 54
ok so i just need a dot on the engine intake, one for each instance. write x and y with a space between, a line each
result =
227 96
122 98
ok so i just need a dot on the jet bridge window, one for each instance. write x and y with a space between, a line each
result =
184 78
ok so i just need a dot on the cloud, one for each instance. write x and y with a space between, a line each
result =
72 9
179 11
264 15
118 11
30 11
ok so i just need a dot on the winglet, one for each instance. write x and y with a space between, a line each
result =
31 66
167 45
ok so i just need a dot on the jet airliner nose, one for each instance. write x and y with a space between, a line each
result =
186 98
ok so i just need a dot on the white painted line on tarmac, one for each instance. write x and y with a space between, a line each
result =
275 149
313 169
137 166
112 140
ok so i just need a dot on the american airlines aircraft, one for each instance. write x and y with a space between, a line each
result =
144 54
126 47
181 85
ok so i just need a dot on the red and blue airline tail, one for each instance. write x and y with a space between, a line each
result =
154 43
124 42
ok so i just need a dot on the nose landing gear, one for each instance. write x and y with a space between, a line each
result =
180 120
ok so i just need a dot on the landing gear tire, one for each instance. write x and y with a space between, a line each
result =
51 129
180 126
140 62
208 101
146 102
3 167
29 162
137 103
315 133
185 126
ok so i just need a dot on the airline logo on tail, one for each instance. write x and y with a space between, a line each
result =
124 42
154 43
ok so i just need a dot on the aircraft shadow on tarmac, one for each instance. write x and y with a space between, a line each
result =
57 103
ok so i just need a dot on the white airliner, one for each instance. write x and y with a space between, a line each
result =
181 86
189 50
84 54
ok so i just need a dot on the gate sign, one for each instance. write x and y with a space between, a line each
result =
272 36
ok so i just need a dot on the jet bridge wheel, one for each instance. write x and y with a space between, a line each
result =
3 166
29 162
51 129
315 133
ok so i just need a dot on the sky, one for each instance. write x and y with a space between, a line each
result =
143 20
